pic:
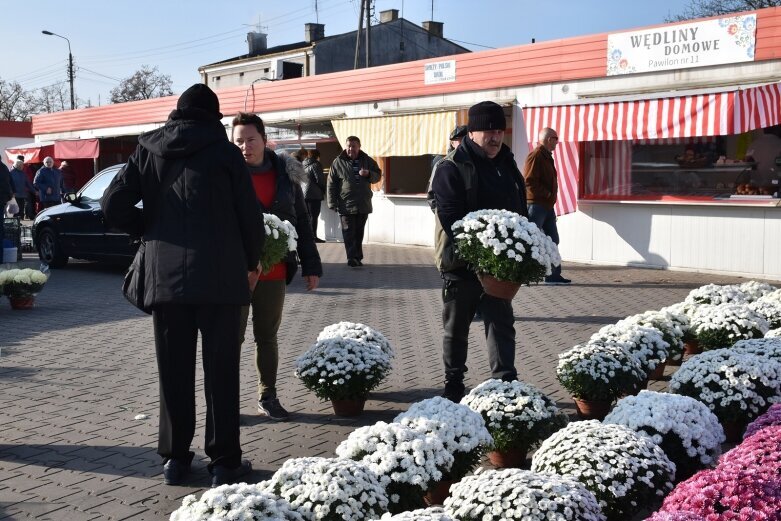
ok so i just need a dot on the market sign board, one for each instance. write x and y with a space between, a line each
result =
713 42
439 72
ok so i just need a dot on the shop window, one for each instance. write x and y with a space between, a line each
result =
652 169
407 175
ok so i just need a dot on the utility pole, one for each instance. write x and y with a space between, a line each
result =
70 76
358 36
368 33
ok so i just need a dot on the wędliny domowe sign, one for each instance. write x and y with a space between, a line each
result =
713 42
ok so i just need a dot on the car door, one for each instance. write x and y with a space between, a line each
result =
84 230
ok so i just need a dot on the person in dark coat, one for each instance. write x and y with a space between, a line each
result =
314 193
48 182
198 256
486 165
276 180
24 192
6 192
350 195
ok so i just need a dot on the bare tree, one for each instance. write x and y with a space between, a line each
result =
15 102
705 8
53 98
145 83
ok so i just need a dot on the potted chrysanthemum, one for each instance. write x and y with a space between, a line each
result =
685 429
675 516
671 328
406 460
680 315
736 386
518 416
505 249
496 495
241 501
624 470
754 290
21 286
595 374
343 370
715 294
357 331
644 342
281 238
462 431
722 325
769 309
330 489
770 418
768 347
422 514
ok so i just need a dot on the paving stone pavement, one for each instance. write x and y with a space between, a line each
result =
76 370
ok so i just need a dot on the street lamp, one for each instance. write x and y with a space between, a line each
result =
70 65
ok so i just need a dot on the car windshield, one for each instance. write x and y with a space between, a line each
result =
95 188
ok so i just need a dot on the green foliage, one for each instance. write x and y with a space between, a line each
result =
484 260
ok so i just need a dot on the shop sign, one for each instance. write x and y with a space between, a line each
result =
713 42
440 72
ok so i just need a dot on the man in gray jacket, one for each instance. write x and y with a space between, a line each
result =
350 195
196 264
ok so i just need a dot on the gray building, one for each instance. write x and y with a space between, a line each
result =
393 40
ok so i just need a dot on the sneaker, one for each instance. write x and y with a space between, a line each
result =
353 263
175 471
224 476
273 409
557 280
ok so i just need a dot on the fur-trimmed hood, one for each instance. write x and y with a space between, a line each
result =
293 167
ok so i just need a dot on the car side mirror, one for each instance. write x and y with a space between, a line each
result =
71 197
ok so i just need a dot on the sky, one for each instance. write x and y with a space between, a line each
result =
111 39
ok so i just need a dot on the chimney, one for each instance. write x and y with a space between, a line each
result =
257 42
389 15
313 32
434 28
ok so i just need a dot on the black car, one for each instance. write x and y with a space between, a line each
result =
77 228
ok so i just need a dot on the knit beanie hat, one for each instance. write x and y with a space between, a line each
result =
200 96
486 115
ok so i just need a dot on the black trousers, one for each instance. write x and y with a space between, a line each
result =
353 226
460 299
26 207
176 333
313 205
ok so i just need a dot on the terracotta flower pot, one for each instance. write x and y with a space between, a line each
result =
437 492
658 373
509 458
733 430
22 302
692 347
498 288
592 409
348 407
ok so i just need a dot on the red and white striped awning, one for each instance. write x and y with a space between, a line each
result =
721 113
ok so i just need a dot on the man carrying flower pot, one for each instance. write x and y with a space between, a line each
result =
276 180
480 174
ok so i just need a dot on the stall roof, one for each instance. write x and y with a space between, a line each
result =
33 152
77 149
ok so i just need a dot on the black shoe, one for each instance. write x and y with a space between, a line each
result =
223 475
319 240
353 263
454 391
273 409
175 471
557 280
360 262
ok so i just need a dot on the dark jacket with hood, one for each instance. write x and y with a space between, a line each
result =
315 181
289 205
466 180
346 194
208 231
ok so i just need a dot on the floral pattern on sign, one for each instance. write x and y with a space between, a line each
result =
741 29
616 62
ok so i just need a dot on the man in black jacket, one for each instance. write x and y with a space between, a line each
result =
480 174
6 192
197 261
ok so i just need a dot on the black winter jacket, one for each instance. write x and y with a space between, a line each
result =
289 205
315 182
209 230
346 194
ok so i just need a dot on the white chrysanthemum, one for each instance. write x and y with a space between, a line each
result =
357 331
768 347
236 502
688 432
423 514
496 495
644 342
624 470
327 488
773 333
276 227
716 294
753 290
22 282
599 371
736 386
722 325
517 414
768 309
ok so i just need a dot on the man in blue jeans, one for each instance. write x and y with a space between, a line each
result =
542 187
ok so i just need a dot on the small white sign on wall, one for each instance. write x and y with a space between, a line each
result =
440 72
713 42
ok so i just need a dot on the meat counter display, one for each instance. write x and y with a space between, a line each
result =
722 180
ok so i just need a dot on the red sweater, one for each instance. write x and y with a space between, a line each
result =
265 184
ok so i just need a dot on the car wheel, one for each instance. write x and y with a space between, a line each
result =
49 250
